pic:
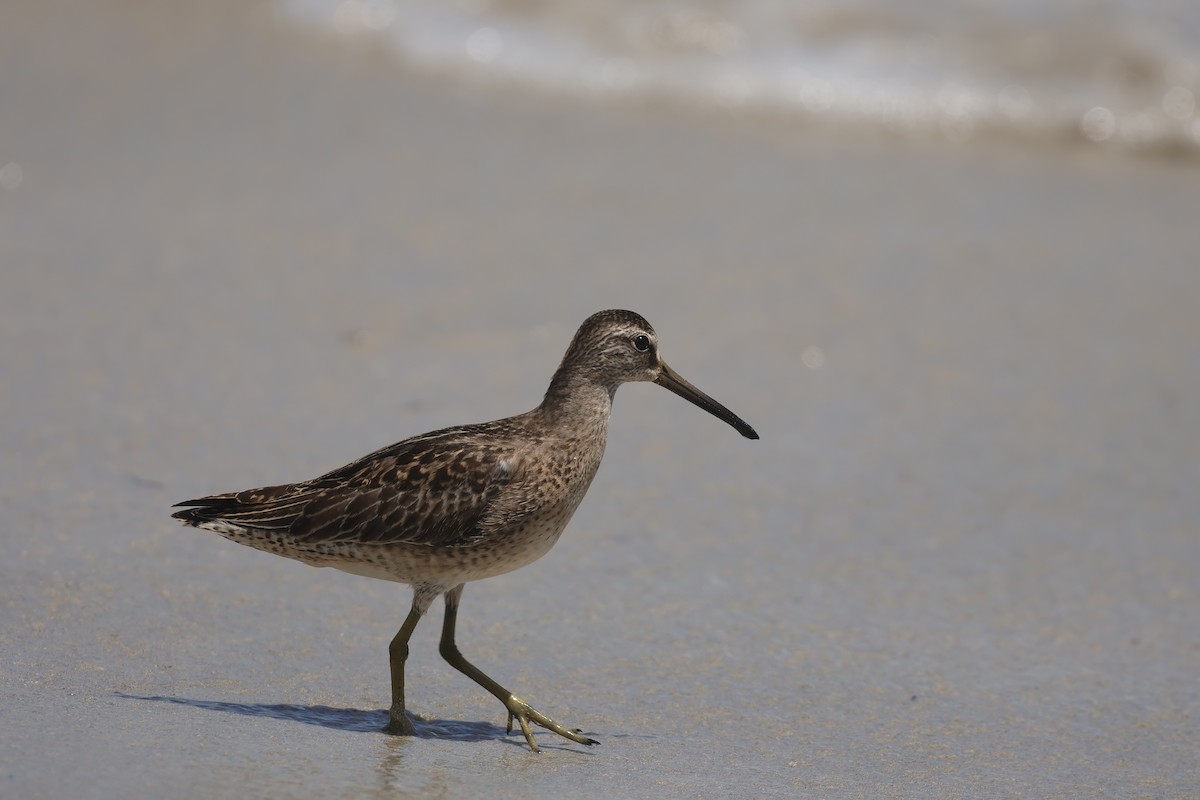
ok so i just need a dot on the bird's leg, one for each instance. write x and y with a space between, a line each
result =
517 708
398 722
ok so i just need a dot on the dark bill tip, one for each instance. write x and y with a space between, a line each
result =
669 379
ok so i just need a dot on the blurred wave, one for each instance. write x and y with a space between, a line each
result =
1121 74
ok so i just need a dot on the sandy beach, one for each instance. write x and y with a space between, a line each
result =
961 562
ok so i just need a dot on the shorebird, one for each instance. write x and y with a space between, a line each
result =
464 503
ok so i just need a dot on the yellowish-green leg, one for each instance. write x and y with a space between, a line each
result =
517 708
398 651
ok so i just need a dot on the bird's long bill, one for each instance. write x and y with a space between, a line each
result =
669 379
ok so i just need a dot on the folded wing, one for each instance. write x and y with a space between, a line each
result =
434 489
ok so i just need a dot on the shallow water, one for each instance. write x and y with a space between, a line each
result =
1123 75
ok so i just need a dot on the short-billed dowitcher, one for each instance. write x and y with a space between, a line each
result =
464 503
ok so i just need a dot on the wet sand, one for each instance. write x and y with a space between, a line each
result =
961 562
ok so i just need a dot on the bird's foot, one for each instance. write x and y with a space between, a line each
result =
399 724
524 714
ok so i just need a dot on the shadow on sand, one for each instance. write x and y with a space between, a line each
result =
343 719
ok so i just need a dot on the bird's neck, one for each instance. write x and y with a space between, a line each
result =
578 404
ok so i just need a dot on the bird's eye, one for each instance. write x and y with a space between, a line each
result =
641 342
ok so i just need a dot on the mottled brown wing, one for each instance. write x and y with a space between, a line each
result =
433 489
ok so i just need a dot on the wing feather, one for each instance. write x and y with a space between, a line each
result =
434 489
